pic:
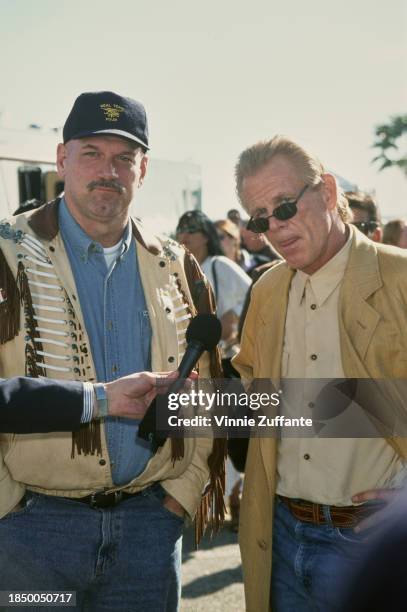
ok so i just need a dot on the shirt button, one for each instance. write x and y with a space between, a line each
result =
102 462
313 306
314 357
110 325
262 544
307 457
52 249
114 369
168 310
171 359
311 404
162 264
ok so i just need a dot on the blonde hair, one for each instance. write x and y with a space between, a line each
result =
255 157
227 226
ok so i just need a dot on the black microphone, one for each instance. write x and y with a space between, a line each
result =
203 334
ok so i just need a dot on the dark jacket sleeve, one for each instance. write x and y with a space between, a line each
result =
38 405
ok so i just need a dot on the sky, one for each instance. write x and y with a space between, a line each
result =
217 76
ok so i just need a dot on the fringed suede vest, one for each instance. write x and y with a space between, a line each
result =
43 314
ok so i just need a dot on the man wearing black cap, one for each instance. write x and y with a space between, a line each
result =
100 299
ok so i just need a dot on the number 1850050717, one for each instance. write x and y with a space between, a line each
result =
40 598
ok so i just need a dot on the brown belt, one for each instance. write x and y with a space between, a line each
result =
338 516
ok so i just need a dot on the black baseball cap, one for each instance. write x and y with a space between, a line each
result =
105 112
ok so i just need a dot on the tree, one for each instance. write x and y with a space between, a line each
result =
389 138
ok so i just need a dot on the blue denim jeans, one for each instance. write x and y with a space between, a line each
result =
311 563
126 558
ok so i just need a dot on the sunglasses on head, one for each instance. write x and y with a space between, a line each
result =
286 210
366 227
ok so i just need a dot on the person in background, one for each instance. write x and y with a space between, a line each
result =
229 282
395 233
259 248
230 285
234 215
41 405
365 214
229 236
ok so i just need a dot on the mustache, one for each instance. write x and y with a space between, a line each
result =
107 184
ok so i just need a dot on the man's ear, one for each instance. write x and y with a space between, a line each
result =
330 191
143 170
61 157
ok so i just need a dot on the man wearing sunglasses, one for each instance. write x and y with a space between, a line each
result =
335 309
365 214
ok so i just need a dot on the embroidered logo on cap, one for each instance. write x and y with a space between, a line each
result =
112 111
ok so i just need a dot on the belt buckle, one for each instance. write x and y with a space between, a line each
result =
103 500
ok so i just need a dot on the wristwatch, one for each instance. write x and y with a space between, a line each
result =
101 400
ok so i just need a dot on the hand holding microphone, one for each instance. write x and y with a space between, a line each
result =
203 334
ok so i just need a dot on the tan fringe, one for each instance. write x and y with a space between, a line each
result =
216 463
10 307
211 510
212 507
201 519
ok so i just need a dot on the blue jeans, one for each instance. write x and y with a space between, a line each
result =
126 558
311 563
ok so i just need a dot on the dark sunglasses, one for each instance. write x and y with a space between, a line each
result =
366 227
286 210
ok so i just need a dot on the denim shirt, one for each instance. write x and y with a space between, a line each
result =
117 323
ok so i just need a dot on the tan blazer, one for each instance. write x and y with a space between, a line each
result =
373 334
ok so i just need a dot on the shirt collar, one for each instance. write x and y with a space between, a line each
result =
83 245
325 280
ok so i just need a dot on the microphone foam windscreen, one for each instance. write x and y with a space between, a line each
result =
206 329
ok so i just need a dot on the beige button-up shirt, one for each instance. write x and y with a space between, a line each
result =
327 470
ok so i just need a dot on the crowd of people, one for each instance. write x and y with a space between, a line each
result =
303 290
